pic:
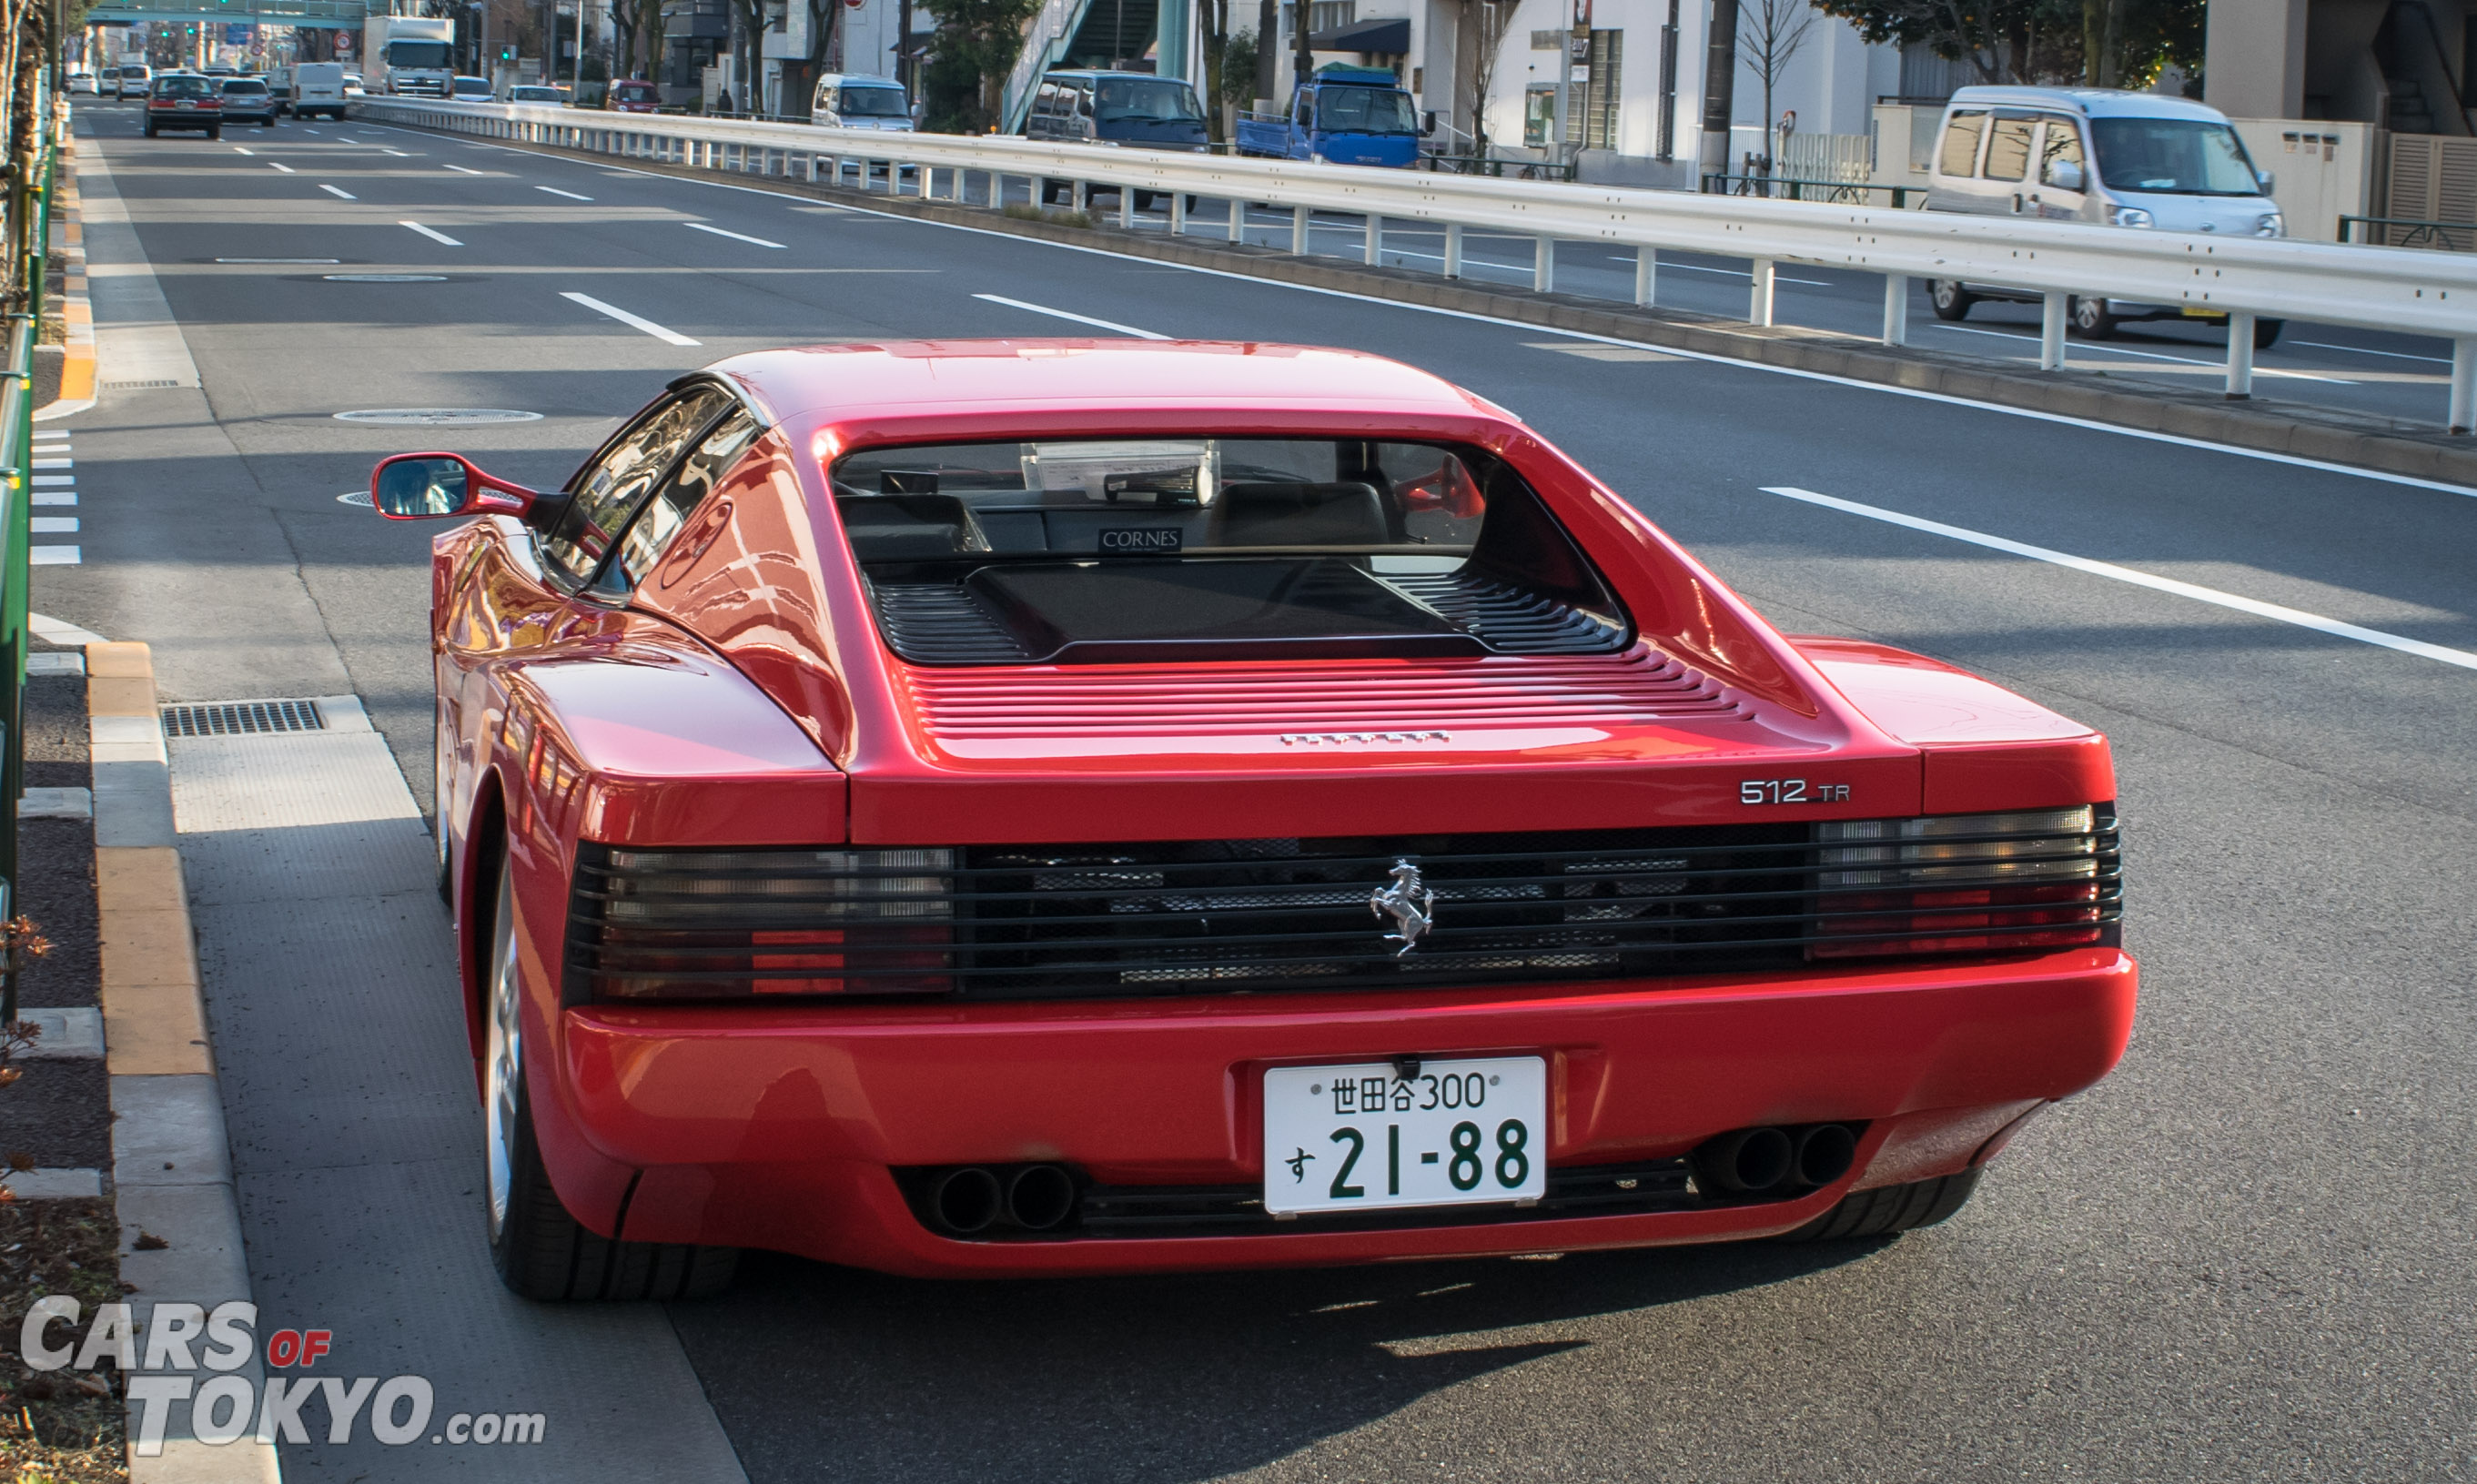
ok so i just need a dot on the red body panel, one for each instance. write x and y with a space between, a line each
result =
742 698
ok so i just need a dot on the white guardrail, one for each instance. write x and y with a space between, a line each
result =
2415 292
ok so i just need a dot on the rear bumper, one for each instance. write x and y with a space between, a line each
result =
779 1128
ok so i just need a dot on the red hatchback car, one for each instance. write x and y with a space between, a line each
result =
1013 808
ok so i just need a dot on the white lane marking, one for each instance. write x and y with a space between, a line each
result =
435 236
398 153
54 526
461 170
1798 373
2119 349
55 463
740 237
241 149
2165 584
52 497
54 557
52 630
51 434
278 164
336 190
54 481
1081 319
2359 350
569 194
624 318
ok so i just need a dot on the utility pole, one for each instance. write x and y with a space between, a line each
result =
1668 85
1719 86
903 54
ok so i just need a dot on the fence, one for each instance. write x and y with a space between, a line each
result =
2243 278
28 226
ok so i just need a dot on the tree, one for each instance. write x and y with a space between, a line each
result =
2114 43
976 45
1216 18
1769 33
1484 25
1268 46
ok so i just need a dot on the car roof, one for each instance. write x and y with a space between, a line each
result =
859 77
1099 72
1008 379
2090 102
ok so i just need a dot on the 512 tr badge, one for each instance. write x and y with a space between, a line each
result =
1791 791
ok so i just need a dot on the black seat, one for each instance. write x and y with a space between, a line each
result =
1338 515
909 528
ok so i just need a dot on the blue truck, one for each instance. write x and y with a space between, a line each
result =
1347 115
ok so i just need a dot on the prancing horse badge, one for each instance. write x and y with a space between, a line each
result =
1408 902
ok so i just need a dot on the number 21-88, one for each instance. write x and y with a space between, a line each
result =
1471 1164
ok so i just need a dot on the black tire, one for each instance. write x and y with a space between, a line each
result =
2090 319
1891 1210
1051 192
150 130
1147 200
1951 301
2266 332
539 1250
214 134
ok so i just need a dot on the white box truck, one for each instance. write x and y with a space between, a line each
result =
411 55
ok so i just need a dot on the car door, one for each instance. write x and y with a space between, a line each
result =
2004 173
1956 187
2060 191
519 594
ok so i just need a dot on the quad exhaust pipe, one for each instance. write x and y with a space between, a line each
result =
1776 1160
968 1200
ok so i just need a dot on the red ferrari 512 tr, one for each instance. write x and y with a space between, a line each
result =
1012 807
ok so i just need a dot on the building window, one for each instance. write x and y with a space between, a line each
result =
1322 15
1600 93
1539 114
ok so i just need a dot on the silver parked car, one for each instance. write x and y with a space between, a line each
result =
2138 160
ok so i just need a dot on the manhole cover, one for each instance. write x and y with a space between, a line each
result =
359 497
385 277
437 418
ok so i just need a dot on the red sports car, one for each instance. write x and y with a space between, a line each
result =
1012 807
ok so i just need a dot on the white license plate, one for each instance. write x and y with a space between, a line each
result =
1362 1138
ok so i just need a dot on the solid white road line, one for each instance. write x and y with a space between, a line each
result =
740 236
435 236
1081 319
569 194
2165 584
338 191
624 318
2359 350
1826 378
461 170
277 164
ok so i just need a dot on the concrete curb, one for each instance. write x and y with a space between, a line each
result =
171 1162
2293 429
78 368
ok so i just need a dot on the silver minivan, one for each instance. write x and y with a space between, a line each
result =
2141 161
846 101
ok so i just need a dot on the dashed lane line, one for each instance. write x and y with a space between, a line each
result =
432 235
657 332
1081 319
278 164
2165 584
337 191
569 194
737 236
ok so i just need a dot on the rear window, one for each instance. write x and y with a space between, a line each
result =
183 88
244 86
1102 550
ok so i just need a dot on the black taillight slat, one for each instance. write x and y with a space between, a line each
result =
1051 921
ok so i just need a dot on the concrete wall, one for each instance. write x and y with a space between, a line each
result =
2256 57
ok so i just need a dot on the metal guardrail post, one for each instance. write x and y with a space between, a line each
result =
1126 209
1177 213
1543 266
1299 220
2051 332
1896 308
1374 251
1647 275
1759 303
1453 245
2463 383
2239 356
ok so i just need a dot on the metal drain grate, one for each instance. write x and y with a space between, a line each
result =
437 418
241 718
138 385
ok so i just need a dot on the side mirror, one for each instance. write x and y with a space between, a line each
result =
2066 174
2266 179
429 487
1428 122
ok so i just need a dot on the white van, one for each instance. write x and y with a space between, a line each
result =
317 88
2127 159
847 101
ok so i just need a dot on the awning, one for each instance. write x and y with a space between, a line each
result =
1373 38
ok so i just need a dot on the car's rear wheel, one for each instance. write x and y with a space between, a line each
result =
2266 332
539 1251
214 134
1951 301
1890 1210
150 130
2091 320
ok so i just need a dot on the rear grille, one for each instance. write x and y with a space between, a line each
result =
1201 917
241 718
1316 696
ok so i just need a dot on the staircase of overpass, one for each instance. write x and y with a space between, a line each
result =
1078 33
317 14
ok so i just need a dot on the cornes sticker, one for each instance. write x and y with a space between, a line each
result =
1141 539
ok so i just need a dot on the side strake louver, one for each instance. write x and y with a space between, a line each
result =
1219 916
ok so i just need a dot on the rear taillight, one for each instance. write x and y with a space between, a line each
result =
1967 883
726 924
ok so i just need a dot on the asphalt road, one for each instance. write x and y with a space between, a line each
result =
2244 1256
